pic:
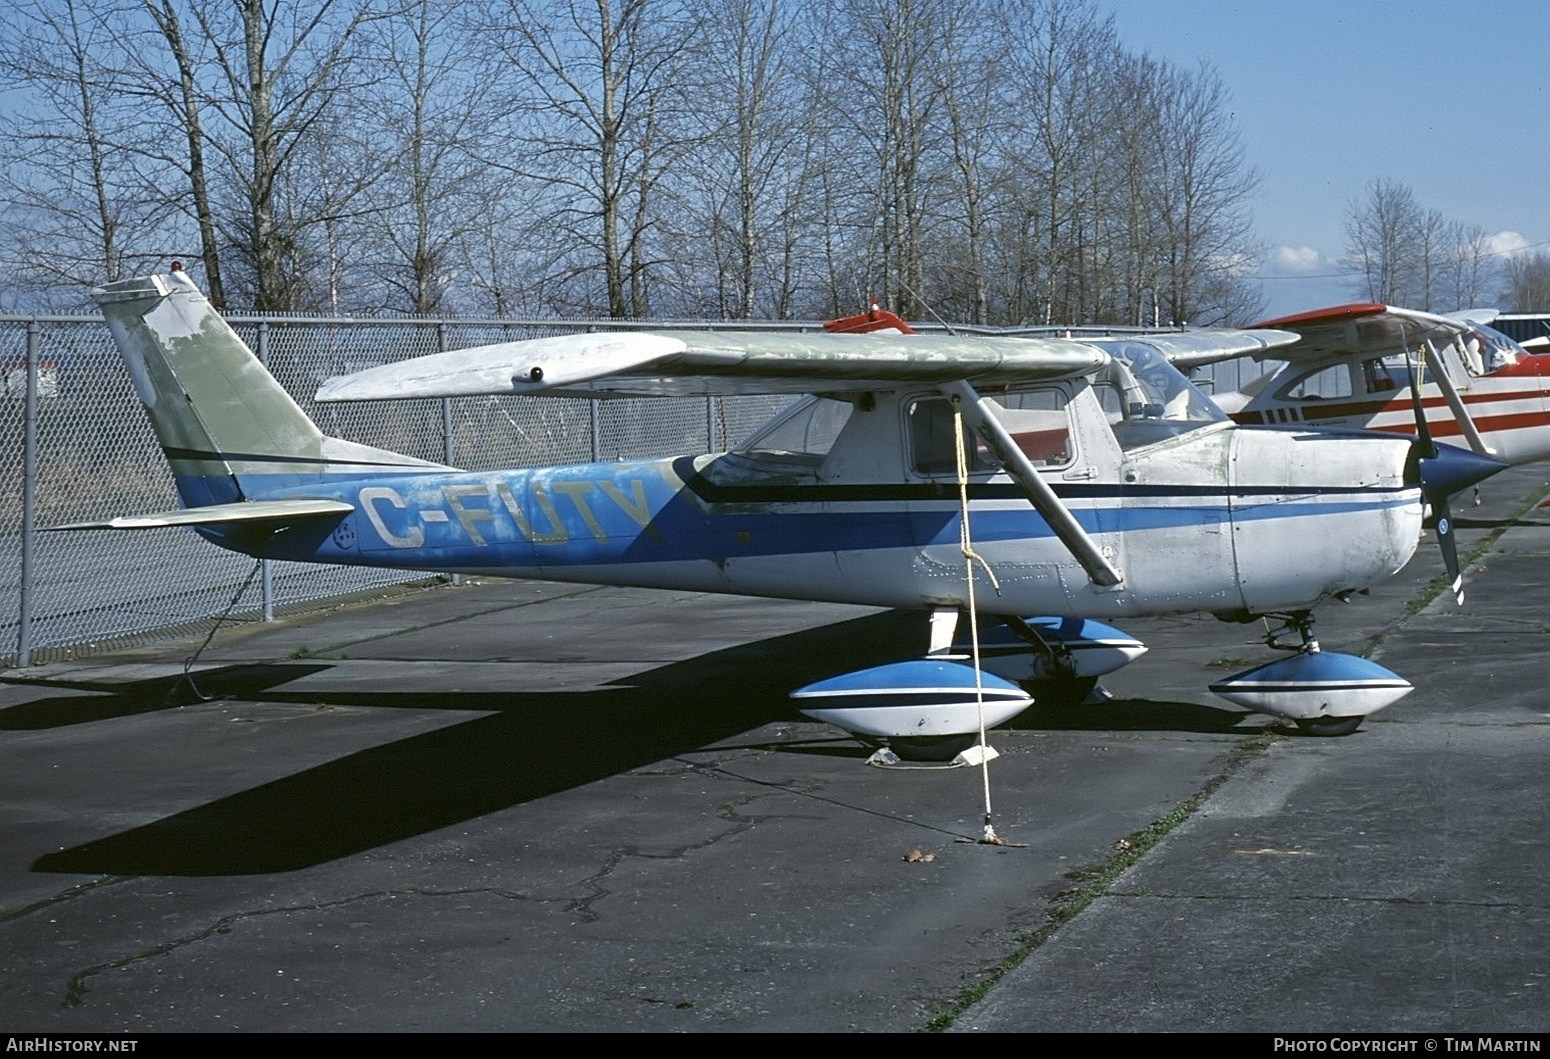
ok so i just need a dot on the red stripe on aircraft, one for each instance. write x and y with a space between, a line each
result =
1485 424
1446 426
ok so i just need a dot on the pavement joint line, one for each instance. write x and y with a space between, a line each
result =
64 896
1374 899
1093 881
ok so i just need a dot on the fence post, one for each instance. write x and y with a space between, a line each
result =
266 572
29 497
594 419
446 402
446 417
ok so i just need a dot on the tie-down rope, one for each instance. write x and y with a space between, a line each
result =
970 557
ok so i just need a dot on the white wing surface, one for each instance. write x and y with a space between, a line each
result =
688 363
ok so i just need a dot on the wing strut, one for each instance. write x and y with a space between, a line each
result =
979 416
1444 383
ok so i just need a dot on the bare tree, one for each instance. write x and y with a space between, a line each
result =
972 119
748 150
180 95
886 51
1057 71
1383 233
1472 273
1415 257
1201 196
416 134
597 102
1528 279
280 71
77 203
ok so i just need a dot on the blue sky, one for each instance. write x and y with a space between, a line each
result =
1449 97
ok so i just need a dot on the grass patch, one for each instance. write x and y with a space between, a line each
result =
1093 881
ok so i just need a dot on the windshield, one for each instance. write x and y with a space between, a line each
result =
1147 399
1487 349
806 427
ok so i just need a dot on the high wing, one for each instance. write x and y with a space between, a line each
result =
1191 349
691 363
1368 329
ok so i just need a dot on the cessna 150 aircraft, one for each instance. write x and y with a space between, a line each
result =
1352 367
1375 367
1097 484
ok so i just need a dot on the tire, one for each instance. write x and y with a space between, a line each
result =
931 747
1328 726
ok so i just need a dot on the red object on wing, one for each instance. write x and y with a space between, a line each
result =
1323 316
874 319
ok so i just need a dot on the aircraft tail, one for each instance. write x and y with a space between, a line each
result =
229 430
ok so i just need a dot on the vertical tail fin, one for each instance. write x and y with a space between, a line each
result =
229 430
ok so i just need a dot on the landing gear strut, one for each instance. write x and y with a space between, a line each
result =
1299 622
1060 687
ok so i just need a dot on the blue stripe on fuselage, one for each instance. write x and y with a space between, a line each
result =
642 512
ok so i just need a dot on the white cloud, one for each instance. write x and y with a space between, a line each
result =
1506 244
1297 259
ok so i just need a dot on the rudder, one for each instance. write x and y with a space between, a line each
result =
228 429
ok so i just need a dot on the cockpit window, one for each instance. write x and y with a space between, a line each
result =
1147 399
1377 378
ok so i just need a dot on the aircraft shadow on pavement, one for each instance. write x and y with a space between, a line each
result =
526 746
132 697
1465 522
1131 715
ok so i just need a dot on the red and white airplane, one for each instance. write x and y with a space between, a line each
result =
1353 365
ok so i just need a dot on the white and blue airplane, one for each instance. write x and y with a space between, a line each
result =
1096 484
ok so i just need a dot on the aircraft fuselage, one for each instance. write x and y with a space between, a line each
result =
1220 519
1509 407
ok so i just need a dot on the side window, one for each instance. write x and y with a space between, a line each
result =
930 425
1037 421
1326 384
1377 378
1039 425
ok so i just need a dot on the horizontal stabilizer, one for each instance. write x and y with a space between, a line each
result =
243 511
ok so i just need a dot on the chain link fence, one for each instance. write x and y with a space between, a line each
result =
75 446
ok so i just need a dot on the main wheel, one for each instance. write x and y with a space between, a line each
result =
1328 726
1059 693
931 747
